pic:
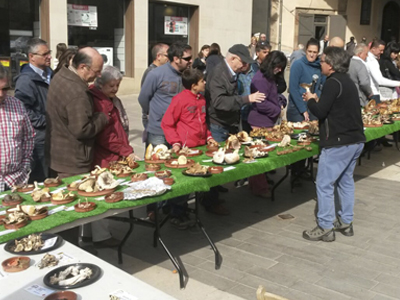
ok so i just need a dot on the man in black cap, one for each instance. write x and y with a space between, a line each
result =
223 106
223 100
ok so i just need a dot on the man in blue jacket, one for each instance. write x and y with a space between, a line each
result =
31 88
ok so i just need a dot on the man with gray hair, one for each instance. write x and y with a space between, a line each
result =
31 88
359 74
17 139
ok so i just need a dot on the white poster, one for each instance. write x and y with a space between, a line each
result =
175 25
82 15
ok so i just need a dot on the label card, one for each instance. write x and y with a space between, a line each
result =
39 290
49 243
122 295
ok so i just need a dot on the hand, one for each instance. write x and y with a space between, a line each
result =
256 97
211 142
307 96
176 148
134 157
306 116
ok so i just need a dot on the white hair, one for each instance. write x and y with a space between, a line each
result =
107 74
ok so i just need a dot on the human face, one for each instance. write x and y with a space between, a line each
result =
163 56
363 55
378 51
205 52
263 37
277 70
200 86
185 61
312 53
262 54
238 65
4 86
110 88
41 58
325 68
93 71
394 55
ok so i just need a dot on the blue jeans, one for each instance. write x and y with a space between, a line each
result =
336 167
156 139
219 133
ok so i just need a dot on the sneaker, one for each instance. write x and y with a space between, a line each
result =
319 234
179 224
343 228
218 209
241 183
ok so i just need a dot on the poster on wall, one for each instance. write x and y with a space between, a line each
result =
82 15
175 25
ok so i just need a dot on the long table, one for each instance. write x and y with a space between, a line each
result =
14 284
183 185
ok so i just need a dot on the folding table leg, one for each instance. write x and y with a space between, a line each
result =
278 183
218 256
125 237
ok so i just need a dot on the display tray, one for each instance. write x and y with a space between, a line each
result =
30 188
44 199
91 206
273 140
64 201
260 156
194 152
59 182
158 161
40 216
162 174
96 273
16 264
225 163
208 174
12 203
169 164
62 295
124 175
210 153
16 226
45 236
114 197
372 125
143 176
71 189
216 170
152 168
95 194
212 148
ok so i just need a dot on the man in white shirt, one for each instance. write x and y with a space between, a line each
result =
377 79
323 44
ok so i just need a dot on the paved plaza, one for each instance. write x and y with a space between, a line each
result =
258 248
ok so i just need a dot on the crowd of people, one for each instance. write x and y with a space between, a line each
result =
64 122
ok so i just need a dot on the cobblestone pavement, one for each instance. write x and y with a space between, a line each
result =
259 248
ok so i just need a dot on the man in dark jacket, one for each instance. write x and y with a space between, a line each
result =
223 101
31 88
341 141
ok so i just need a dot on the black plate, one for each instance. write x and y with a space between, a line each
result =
226 164
388 122
45 236
208 174
95 276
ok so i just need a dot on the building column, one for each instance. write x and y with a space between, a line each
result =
54 23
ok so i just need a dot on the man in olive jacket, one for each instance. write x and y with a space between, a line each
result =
71 123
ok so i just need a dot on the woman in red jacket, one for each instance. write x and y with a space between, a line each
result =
111 143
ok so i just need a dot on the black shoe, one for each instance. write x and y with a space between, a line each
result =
343 228
222 189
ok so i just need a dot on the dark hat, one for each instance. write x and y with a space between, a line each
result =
243 52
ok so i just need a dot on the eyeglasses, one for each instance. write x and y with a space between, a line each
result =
189 58
48 53
95 72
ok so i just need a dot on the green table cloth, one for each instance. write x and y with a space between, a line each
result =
183 184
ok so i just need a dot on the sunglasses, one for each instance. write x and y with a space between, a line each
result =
187 58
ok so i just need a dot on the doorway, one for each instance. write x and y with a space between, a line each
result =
390 22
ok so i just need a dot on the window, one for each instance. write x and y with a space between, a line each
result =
365 15
101 27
